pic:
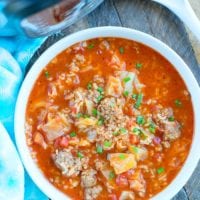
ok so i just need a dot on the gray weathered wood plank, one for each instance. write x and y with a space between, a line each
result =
149 17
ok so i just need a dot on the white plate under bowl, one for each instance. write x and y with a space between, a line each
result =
119 32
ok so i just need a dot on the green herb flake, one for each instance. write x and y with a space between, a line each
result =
171 119
100 90
79 115
46 73
122 156
135 149
160 170
126 79
111 175
138 101
80 155
99 98
136 131
121 50
100 121
126 93
178 103
94 112
152 128
140 120
107 143
138 65
115 133
72 134
89 86
99 149
134 96
123 130
86 116
91 46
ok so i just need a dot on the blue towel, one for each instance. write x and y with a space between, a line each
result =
15 52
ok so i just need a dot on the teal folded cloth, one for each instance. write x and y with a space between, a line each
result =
15 53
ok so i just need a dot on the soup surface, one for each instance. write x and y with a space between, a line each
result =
111 119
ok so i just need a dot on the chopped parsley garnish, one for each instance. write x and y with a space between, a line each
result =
121 50
135 149
99 98
136 131
107 143
123 130
79 115
46 73
89 86
140 120
138 65
171 119
134 96
139 100
160 170
94 112
99 149
115 133
126 79
72 134
80 155
91 46
152 128
111 175
100 121
178 103
86 116
125 93
100 90
122 156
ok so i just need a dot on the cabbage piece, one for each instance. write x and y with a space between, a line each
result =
89 106
39 139
122 162
83 123
56 126
113 87
130 81
127 195
140 153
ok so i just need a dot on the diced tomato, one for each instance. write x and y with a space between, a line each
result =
121 180
133 139
112 196
129 123
62 141
74 110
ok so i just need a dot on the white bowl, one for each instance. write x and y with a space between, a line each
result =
32 168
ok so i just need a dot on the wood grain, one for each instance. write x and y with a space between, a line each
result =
151 18
195 43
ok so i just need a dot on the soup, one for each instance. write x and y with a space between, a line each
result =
109 118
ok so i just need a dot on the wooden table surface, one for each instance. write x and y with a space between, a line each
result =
149 17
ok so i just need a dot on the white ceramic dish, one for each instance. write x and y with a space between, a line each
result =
51 52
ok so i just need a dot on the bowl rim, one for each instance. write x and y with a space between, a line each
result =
118 32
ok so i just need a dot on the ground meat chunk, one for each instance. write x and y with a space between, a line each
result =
171 129
92 192
69 165
88 178
138 184
114 119
99 80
